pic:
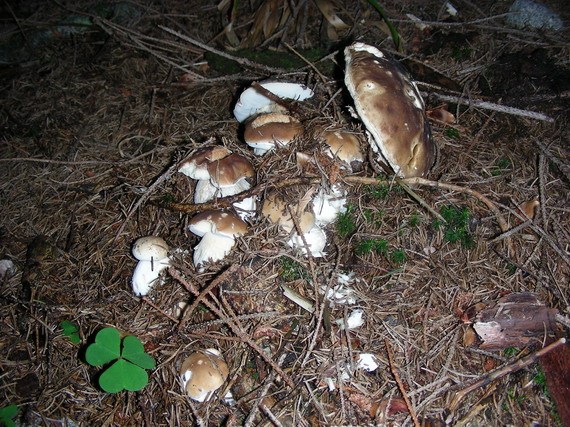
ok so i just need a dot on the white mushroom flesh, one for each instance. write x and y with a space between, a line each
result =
328 204
316 241
251 102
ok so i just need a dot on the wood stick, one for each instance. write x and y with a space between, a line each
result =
400 384
501 372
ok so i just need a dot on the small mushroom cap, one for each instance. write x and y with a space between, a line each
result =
196 166
229 170
150 248
217 222
275 209
344 145
251 102
267 130
391 108
203 372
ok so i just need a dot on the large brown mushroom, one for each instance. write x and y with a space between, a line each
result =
392 110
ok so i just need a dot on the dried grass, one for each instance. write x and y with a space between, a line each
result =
87 133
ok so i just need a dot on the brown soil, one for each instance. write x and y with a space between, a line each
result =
92 125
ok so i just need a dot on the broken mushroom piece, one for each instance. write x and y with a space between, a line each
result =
251 102
152 253
329 203
218 230
276 211
196 166
268 130
392 110
202 373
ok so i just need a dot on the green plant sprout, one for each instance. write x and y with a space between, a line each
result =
393 31
128 371
456 226
345 222
7 414
70 330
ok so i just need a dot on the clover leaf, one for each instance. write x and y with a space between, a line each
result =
70 330
128 370
6 415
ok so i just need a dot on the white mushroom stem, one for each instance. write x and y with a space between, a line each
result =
213 247
205 191
146 274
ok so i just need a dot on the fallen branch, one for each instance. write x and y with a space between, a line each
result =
499 373
494 107
400 384
227 202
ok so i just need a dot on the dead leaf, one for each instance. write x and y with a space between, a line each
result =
328 9
555 367
441 115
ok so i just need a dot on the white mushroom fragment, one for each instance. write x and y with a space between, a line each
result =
251 102
202 373
328 204
392 110
152 253
218 230
268 130
276 210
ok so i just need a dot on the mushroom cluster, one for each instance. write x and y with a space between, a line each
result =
387 103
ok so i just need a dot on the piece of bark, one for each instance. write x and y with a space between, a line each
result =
555 367
516 320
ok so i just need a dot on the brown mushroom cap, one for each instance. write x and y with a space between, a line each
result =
344 145
230 169
275 209
203 372
196 166
392 110
266 130
217 222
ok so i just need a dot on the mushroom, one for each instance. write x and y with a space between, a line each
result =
392 110
276 211
202 373
267 130
218 230
196 166
345 146
251 102
228 176
152 253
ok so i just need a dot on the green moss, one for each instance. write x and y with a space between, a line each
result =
452 133
345 222
502 165
291 270
456 226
